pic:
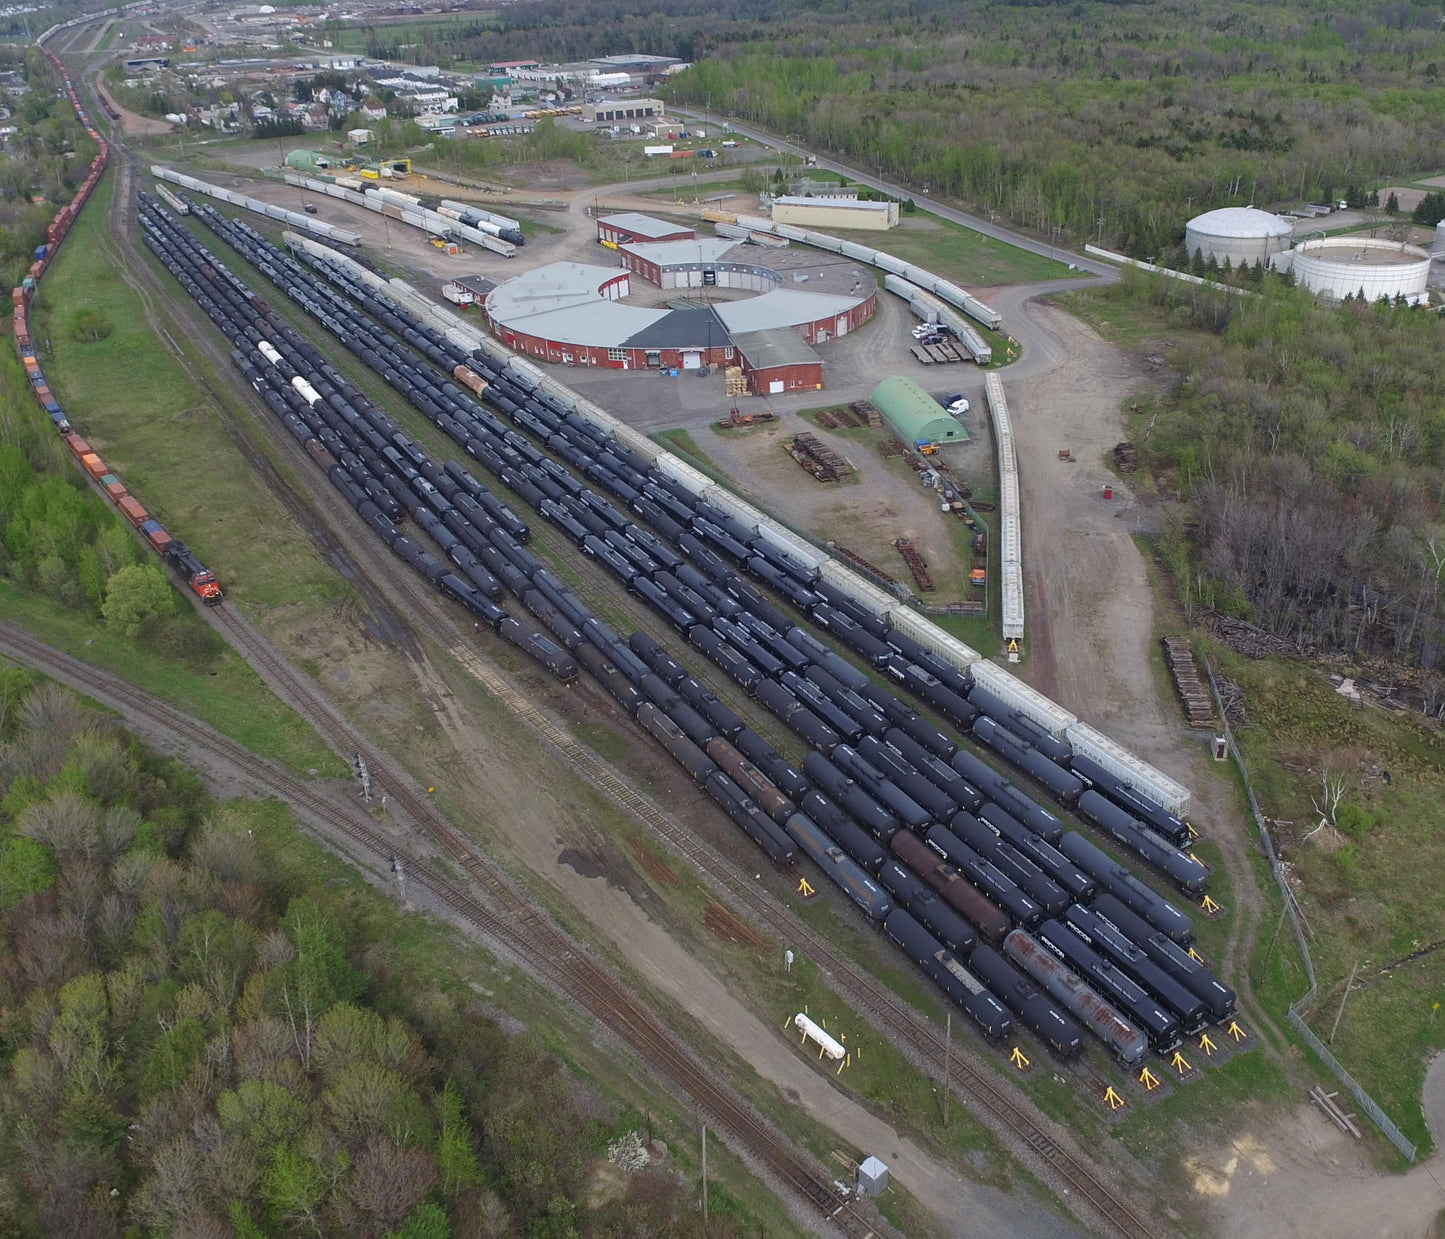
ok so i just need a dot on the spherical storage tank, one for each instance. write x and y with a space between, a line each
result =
1244 235
1345 266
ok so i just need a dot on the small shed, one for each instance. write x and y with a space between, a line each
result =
778 360
914 414
872 1178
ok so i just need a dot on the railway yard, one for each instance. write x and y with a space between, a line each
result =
842 779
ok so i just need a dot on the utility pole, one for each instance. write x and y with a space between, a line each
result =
704 1175
947 1054
1340 1013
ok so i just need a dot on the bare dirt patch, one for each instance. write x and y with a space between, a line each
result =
1295 1176
886 501
133 124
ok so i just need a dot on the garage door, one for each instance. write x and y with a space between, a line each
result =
775 387
691 361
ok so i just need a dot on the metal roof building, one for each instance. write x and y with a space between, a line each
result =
628 226
778 360
835 213
567 312
816 316
914 414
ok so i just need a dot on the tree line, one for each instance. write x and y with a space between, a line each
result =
42 164
195 1042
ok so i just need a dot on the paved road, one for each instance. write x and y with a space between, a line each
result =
1007 235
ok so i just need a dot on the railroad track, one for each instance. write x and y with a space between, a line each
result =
519 928
990 1099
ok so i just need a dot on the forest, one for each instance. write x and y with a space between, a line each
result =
200 1038
1311 441
1083 121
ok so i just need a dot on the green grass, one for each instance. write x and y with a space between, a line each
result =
681 441
140 410
959 253
229 696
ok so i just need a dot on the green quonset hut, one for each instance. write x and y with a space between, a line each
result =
914 414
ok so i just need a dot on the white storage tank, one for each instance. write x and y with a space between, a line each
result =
1340 267
1439 247
1244 235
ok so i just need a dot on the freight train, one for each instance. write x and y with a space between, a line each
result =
870 801
180 558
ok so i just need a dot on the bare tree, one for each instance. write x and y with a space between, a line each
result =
385 1184
1334 783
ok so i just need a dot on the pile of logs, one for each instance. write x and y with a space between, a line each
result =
868 411
1126 457
818 458
1198 707
1251 640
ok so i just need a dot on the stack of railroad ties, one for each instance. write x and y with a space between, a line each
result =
1015 918
172 550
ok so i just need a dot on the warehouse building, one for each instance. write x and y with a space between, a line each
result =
776 361
836 213
915 415
628 226
611 111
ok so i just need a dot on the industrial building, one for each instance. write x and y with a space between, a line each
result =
778 360
628 226
568 313
695 264
1243 235
915 415
836 213
611 111
1352 266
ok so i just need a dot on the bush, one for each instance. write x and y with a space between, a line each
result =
88 325
135 598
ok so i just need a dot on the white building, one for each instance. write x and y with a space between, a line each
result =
836 213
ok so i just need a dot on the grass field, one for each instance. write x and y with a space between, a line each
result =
228 694
133 401
959 253
1369 900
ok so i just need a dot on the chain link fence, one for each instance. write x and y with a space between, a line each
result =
1296 1021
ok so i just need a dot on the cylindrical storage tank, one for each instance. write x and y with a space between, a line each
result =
1439 247
1244 235
1339 267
